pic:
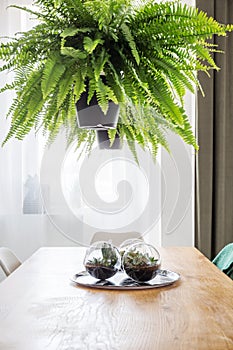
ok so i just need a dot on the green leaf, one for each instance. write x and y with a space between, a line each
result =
72 31
90 45
70 51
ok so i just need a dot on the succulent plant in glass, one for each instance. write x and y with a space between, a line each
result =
102 260
141 262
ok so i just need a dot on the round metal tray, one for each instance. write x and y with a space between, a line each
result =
121 281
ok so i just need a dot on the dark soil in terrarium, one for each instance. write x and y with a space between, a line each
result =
101 272
143 273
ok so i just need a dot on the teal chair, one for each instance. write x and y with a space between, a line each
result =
224 260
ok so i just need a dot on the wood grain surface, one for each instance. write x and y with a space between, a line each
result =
41 309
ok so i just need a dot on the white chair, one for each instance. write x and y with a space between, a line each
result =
115 237
8 261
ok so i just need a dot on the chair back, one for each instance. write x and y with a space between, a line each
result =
8 261
115 237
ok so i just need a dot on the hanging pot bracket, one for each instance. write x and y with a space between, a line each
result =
104 127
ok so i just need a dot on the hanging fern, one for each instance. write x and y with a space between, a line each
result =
149 55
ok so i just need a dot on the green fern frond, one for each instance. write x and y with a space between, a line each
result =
79 83
129 37
186 133
53 70
99 63
112 135
91 90
101 93
65 86
7 87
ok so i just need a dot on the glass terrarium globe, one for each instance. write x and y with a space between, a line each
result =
102 260
141 262
127 243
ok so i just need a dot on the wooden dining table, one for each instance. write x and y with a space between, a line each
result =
40 308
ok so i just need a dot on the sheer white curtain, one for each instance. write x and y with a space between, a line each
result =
19 164
24 227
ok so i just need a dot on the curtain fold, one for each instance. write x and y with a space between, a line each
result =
214 164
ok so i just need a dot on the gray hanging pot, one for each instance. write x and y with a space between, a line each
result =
104 142
92 117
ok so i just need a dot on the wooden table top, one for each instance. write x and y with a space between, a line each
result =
41 309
